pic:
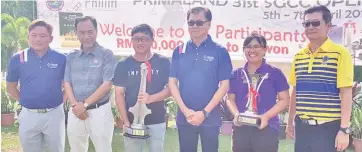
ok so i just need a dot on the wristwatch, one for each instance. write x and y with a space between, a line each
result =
85 105
347 130
206 114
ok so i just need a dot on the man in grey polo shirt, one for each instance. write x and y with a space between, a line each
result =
88 80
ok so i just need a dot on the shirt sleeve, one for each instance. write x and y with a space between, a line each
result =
67 76
233 82
110 63
345 70
174 67
292 77
13 73
120 75
281 83
225 66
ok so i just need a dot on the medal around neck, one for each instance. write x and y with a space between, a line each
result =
250 117
139 111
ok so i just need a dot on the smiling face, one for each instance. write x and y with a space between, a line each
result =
315 27
254 51
141 42
39 38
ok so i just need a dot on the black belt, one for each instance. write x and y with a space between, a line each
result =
97 105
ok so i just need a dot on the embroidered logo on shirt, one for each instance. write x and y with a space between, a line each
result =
208 58
52 65
325 60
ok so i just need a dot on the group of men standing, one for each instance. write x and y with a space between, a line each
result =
197 78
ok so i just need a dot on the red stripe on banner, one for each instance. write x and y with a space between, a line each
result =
149 71
21 57
254 94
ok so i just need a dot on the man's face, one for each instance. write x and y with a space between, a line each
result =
39 38
87 34
198 25
141 42
315 27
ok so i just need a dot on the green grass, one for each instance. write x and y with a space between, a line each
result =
10 142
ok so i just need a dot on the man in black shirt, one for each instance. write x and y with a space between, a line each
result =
127 82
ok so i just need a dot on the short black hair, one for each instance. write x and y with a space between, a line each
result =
259 38
326 13
142 28
197 10
85 18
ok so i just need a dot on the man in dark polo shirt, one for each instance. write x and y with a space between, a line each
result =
87 82
40 71
202 68
127 79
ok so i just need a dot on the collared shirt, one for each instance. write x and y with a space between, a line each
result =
40 78
199 69
318 77
87 71
273 83
128 75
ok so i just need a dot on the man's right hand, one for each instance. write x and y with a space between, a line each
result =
189 113
290 130
83 116
78 108
126 124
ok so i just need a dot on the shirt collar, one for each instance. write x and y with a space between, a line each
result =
31 51
205 43
261 69
95 50
325 46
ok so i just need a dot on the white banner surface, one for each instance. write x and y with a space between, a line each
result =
280 21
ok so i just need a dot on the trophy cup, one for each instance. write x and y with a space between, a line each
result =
139 111
250 116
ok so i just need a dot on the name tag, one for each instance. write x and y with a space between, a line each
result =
52 65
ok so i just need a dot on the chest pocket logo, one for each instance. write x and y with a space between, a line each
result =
95 63
208 58
52 65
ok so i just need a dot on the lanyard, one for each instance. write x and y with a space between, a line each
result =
252 90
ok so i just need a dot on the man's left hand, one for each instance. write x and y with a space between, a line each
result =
197 118
342 141
78 108
144 98
263 121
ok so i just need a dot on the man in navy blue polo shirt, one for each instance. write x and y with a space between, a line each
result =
40 71
202 68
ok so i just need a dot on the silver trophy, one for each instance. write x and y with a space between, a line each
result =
250 117
139 111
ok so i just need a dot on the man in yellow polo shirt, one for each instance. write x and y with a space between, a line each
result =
322 78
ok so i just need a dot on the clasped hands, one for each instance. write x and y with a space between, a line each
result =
194 117
80 111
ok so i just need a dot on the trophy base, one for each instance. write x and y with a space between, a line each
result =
249 119
137 131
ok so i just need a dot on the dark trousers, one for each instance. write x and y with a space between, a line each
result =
189 137
315 138
252 139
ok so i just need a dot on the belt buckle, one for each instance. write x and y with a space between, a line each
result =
42 110
312 122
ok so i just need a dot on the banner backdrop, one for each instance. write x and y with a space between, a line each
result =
280 21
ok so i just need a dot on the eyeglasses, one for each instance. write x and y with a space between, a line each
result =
198 22
253 47
141 39
313 23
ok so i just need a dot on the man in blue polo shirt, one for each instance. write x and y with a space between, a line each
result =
40 71
202 68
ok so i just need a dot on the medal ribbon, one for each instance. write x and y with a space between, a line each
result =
149 71
254 92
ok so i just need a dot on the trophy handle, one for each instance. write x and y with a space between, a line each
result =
140 110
